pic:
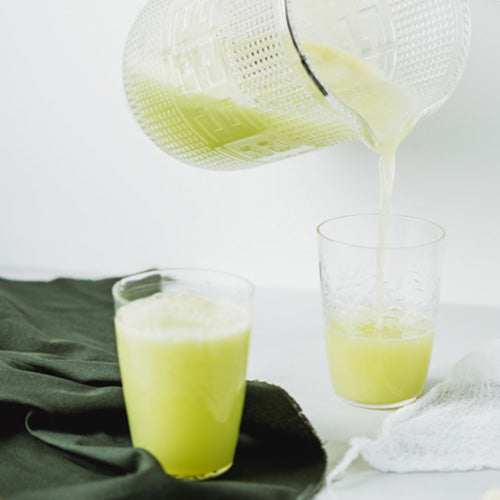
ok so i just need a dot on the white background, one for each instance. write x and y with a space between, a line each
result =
83 192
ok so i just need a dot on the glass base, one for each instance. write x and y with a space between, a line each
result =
203 476
379 406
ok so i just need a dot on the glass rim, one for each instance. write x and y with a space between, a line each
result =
433 241
119 285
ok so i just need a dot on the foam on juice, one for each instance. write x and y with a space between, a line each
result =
183 364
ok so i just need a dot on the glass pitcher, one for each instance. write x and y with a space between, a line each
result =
227 84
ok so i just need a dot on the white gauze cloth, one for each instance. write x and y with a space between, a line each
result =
454 427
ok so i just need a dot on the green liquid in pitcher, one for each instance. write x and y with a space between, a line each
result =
184 123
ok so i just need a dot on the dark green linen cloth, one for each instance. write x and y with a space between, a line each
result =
63 426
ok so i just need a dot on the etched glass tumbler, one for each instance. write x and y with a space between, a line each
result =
379 306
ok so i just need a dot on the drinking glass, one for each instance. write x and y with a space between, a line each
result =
182 340
380 305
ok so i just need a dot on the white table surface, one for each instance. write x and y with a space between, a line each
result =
287 349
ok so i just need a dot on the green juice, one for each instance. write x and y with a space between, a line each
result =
204 128
380 362
183 363
385 106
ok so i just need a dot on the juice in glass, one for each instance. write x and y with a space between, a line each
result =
382 364
379 313
183 363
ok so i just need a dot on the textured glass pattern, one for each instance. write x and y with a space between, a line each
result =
225 84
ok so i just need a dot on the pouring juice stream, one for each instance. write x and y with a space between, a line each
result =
375 358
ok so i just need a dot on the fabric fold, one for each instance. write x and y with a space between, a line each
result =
67 434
